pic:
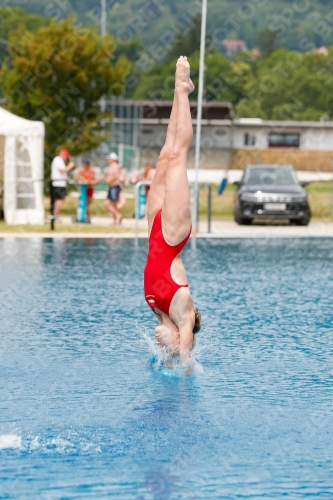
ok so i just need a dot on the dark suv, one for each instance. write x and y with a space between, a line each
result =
271 192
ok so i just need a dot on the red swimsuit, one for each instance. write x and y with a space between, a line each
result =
158 283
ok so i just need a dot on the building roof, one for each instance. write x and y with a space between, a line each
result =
278 125
321 50
233 45
161 110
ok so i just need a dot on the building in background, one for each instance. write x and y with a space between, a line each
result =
139 130
232 46
323 51
305 145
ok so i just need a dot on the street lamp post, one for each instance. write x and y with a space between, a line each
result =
103 33
103 17
199 117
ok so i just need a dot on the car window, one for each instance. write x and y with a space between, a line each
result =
270 177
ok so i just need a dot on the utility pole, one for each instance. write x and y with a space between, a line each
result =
103 17
103 33
199 117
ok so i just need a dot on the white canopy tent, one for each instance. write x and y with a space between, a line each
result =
21 168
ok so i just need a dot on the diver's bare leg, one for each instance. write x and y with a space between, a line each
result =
157 189
176 208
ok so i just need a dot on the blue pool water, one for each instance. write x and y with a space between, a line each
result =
88 409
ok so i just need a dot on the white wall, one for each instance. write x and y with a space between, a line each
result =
211 136
261 135
317 139
218 137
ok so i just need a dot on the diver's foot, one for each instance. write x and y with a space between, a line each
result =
182 78
191 86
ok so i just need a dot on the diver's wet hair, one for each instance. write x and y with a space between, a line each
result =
197 321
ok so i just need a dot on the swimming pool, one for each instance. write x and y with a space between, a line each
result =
88 410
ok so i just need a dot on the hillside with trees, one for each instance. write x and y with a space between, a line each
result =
292 21
271 83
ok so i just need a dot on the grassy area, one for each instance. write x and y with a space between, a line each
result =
63 228
320 200
97 208
222 207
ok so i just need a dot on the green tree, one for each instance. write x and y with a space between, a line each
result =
131 50
59 75
289 86
293 20
13 18
223 80
267 41
187 41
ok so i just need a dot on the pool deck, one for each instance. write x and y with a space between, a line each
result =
219 229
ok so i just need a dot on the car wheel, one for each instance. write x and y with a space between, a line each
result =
304 221
242 221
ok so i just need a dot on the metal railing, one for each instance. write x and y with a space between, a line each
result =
148 183
209 204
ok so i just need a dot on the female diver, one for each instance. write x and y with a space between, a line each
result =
169 226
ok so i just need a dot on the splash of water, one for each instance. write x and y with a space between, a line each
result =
69 443
161 359
10 441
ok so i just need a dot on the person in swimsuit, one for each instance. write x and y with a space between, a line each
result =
169 225
115 199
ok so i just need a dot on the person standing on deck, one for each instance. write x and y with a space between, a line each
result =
113 176
59 172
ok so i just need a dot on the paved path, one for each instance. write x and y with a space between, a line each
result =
229 229
219 229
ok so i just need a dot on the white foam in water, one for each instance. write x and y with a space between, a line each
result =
169 365
61 444
35 443
10 441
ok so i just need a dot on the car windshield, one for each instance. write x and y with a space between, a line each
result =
266 177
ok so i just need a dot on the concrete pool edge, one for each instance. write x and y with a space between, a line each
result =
225 235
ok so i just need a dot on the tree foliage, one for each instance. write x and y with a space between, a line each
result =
59 75
289 86
267 41
187 40
13 18
292 20
279 84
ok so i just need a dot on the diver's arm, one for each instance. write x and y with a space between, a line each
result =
182 311
186 341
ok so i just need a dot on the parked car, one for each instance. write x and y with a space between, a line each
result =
271 192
